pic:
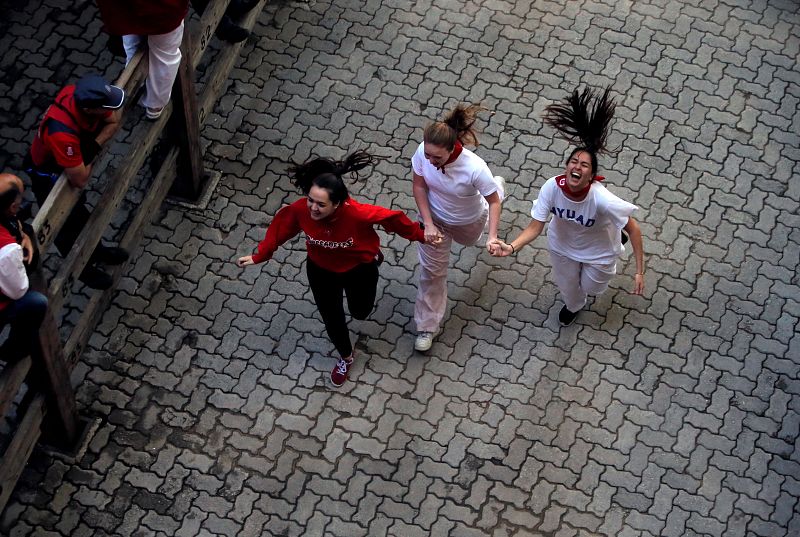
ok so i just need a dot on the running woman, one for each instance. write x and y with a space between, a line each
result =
456 195
342 245
584 235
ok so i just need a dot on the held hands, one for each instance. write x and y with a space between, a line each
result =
432 234
245 260
498 248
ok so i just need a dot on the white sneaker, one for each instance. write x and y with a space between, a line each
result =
424 341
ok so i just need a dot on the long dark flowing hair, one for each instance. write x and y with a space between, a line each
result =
327 173
584 119
458 124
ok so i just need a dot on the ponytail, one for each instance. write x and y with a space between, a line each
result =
584 119
327 173
458 124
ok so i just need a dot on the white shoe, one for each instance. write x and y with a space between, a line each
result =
424 341
153 113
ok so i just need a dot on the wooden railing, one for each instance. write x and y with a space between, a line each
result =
50 404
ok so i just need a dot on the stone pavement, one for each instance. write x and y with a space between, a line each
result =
673 414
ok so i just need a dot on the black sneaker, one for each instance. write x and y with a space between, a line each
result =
237 8
95 278
231 32
566 317
110 255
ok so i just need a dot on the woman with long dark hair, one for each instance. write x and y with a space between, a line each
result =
457 196
585 233
343 247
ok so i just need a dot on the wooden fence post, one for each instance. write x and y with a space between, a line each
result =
186 126
49 369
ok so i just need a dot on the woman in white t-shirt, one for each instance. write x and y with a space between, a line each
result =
584 235
456 195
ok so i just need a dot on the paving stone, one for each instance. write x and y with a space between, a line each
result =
668 414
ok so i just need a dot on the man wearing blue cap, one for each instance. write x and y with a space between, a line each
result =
82 118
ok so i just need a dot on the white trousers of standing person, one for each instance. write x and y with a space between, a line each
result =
164 57
434 260
577 280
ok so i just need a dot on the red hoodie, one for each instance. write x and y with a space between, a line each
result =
340 242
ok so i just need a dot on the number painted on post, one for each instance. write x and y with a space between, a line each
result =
205 37
44 232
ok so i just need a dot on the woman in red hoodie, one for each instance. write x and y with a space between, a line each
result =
343 247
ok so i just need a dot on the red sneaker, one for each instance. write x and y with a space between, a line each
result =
340 372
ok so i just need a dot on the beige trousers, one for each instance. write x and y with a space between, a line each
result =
577 280
433 263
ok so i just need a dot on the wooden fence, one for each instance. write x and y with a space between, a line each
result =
49 408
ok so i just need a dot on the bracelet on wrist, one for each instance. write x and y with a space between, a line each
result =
513 250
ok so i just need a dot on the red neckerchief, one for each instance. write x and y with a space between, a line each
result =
453 156
561 181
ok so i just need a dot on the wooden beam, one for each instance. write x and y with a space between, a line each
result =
49 371
19 450
52 375
186 126
144 137
11 379
226 59
203 32
99 302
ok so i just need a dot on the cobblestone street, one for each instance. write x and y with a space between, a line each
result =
676 413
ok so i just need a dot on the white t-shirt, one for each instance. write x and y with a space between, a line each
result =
13 279
587 231
457 196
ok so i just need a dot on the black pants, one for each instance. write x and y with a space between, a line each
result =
358 284
42 185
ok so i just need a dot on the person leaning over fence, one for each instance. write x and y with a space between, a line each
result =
343 247
586 220
20 306
158 24
73 129
457 196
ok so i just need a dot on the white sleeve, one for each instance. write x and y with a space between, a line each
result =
418 160
13 279
542 206
485 183
617 210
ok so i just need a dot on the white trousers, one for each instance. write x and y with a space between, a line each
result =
164 60
434 260
577 280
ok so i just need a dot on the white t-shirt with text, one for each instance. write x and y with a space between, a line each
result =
587 231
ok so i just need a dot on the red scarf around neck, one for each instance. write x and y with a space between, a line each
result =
453 156
561 181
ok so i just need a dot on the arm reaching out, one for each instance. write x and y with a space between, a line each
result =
245 260
420 189
499 248
495 205
632 227
283 227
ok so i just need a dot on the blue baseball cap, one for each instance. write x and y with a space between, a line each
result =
92 91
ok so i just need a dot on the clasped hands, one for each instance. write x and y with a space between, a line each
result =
432 234
498 248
